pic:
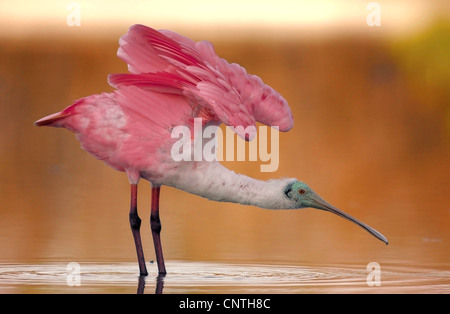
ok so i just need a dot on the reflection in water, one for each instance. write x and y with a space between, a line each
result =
159 286
141 284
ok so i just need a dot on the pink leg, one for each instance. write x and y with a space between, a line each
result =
135 223
155 224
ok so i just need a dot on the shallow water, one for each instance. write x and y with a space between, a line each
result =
197 277
370 136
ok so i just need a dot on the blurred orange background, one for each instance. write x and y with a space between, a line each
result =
371 134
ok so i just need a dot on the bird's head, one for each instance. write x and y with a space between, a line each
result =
301 196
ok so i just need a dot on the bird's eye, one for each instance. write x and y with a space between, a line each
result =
301 191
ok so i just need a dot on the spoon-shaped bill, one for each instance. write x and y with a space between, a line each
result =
316 201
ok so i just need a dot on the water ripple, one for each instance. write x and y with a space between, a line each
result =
203 277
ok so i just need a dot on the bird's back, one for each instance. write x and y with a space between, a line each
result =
129 129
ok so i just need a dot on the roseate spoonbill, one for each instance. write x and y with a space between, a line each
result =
173 80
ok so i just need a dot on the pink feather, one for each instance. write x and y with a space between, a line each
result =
169 62
172 81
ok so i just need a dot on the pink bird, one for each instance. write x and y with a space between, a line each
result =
172 81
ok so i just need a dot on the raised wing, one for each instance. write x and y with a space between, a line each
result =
167 62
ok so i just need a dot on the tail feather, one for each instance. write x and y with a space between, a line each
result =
51 120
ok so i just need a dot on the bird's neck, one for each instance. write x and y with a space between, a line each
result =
215 182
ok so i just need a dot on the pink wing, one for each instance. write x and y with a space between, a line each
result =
167 62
